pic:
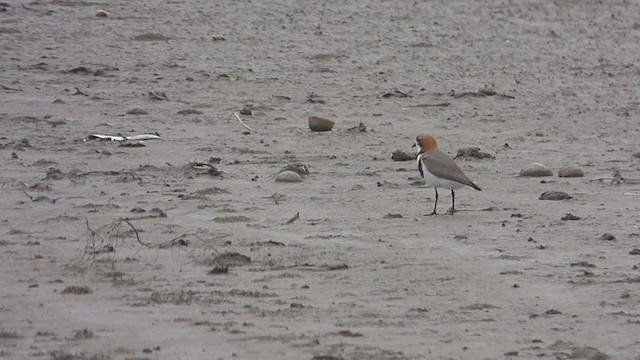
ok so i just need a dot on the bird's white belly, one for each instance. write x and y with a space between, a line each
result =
437 182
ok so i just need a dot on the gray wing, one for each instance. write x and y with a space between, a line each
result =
440 165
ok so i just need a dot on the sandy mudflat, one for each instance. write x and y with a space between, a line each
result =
362 274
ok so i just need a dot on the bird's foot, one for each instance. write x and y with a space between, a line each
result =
431 214
451 211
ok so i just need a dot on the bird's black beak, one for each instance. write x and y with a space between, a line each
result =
413 145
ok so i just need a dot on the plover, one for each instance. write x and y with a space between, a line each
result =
439 170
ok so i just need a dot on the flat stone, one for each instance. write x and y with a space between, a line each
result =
536 170
289 176
555 195
231 219
392 216
571 171
137 111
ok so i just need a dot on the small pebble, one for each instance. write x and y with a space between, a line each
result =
136 111
636 154
570 216
158 212
289 176
41 186
536 169
54 174
554 195
607 236
571 171
102 13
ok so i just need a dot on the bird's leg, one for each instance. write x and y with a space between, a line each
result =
453 203
434 204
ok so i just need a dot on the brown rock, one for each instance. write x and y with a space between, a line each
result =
317 123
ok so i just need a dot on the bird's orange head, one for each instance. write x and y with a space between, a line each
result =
426 142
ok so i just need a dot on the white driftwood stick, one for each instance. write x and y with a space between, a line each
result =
242 122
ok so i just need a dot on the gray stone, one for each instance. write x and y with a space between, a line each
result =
607 236
571 171
535 170
289 176
400 155
137 111
554 195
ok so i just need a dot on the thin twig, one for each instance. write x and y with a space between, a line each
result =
80 92
136 232
105 240
9 88
481 93
614 180
165 244
29 196
294 218
92 244
444 104
242 122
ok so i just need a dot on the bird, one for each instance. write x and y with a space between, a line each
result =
439 170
